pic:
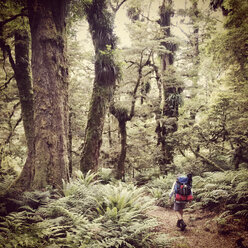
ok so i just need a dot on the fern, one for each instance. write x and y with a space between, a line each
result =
123 203
162 241
242 213
227 191
36 198
69 188
73 220
87 179
19 230
106 175
156 193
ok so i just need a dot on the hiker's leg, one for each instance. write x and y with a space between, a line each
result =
178 207
179 214
182 224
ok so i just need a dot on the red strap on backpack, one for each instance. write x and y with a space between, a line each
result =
179 197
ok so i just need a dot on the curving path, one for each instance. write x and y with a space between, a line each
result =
201 230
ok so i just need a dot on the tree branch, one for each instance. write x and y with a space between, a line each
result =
12 129
197 154
5 85
2 23
118 5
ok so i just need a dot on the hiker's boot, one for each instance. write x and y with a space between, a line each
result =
182 225
179 223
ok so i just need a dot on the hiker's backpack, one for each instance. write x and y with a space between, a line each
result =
183 187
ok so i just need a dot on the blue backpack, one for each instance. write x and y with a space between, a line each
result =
183 189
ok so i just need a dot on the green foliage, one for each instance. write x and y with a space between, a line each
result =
122 209
87 179
160 188
122 203
225 191
77 9
19 229
95 216
106 175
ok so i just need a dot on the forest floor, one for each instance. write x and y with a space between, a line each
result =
201 230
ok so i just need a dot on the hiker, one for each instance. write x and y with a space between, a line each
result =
181 190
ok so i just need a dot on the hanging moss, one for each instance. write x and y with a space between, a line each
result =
105 66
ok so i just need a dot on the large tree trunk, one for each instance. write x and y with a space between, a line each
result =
21 68
167 126
24 83
70 143
101 29
50 80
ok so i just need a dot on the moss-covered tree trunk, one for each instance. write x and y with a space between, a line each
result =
195 16
70 142
123 117
25 89
167 120
101 28
24 83
50 81
21 67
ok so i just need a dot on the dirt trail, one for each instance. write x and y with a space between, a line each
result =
201 230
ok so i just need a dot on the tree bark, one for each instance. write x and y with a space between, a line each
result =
24 83
21 68
50 80
101 28
70 143
166 126
25 89
123 117
121 162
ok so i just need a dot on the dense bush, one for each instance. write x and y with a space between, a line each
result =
223 191
160 188
89 215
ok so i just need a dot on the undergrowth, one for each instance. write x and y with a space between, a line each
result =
225 192
89 215
113 215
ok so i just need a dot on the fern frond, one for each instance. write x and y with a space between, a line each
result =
242 213
88 179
